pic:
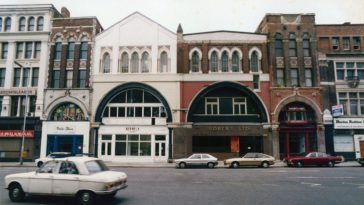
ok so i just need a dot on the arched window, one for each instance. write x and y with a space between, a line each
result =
235 61
254 62
164 62
22 24
67 112
40 23
135 62
1 24
278 45
71 49
7 24
31 24
225 62
195 62
214 62
83 48
125 62
145 62
58 49
306 45
292 45
106 63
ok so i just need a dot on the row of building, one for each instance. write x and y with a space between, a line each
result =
138 92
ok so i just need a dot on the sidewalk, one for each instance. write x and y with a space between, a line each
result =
163 164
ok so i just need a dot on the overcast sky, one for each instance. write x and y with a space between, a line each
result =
208 15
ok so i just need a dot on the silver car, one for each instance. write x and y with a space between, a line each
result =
197 160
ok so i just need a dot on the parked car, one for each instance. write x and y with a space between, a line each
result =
81 177
54 155
197 160
250 159
313 159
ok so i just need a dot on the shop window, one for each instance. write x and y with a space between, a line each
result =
67 112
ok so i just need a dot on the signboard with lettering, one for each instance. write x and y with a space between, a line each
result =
17 133
349 123
337 110
18 91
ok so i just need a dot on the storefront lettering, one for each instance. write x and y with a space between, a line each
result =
17 91
349 123
132 129
64 128
226 128
17 133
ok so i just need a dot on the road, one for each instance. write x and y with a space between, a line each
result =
273 186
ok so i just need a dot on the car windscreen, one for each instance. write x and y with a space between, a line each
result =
96 166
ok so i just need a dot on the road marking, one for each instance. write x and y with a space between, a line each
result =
360 186
323 177
311 184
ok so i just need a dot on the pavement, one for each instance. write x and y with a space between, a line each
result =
164 164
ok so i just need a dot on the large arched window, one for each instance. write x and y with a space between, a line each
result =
235 61
254 62
278 45
224 62
31 24
164 62
22 24
125 62
214 62
135 62
145 62
67 112
40 23
106 63
7 24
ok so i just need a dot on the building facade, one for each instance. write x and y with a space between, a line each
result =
24 36
135 91
67 97
341 61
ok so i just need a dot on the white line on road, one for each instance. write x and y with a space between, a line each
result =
311 184
323 177
360 186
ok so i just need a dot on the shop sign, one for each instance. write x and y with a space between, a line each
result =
349 123
65 129
17 133
18 91
343 144
337 110
132 129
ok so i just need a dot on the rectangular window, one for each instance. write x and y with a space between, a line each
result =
308 77
32 101
84 48
69 75
4 51
239 105
35 77
292 48
71 50
280 77
360 70
2 77
255 81
26 73
81 78
335 43
279 48
55 79
57 50
17 73
212 106
28 50
37 50
14 106
306 48
1 104
356 43
340 71
346 43
353 101
294 77
19 50
121 111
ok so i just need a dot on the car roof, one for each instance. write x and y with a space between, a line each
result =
77 159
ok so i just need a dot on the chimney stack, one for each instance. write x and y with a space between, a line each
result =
65 12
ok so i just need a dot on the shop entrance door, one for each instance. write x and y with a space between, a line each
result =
160 148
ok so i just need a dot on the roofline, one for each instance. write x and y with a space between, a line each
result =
343 24
80 17
284 14
128 16
227 31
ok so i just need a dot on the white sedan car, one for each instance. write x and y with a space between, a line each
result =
197 160
82 177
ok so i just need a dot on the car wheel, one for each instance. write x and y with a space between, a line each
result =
39 164
265 164
182 165
16 193
235 165
330 164
210 165
85 198
299 164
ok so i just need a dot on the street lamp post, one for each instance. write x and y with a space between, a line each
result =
25 118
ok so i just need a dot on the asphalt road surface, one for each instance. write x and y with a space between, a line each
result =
274 186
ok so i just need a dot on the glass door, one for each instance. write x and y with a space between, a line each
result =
160 148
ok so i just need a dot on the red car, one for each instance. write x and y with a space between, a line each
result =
313 159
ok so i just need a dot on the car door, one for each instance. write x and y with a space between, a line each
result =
311 159
66 181
194 160
248 160
42 180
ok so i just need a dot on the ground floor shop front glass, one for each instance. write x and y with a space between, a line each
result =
296 142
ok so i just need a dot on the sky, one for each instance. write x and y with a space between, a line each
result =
208 15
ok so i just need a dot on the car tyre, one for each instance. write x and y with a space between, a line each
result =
16 193
39 164
210 165
299 164
182 165
235 165
85 198
265 164
330 164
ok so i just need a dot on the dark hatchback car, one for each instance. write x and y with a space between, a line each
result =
313 159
